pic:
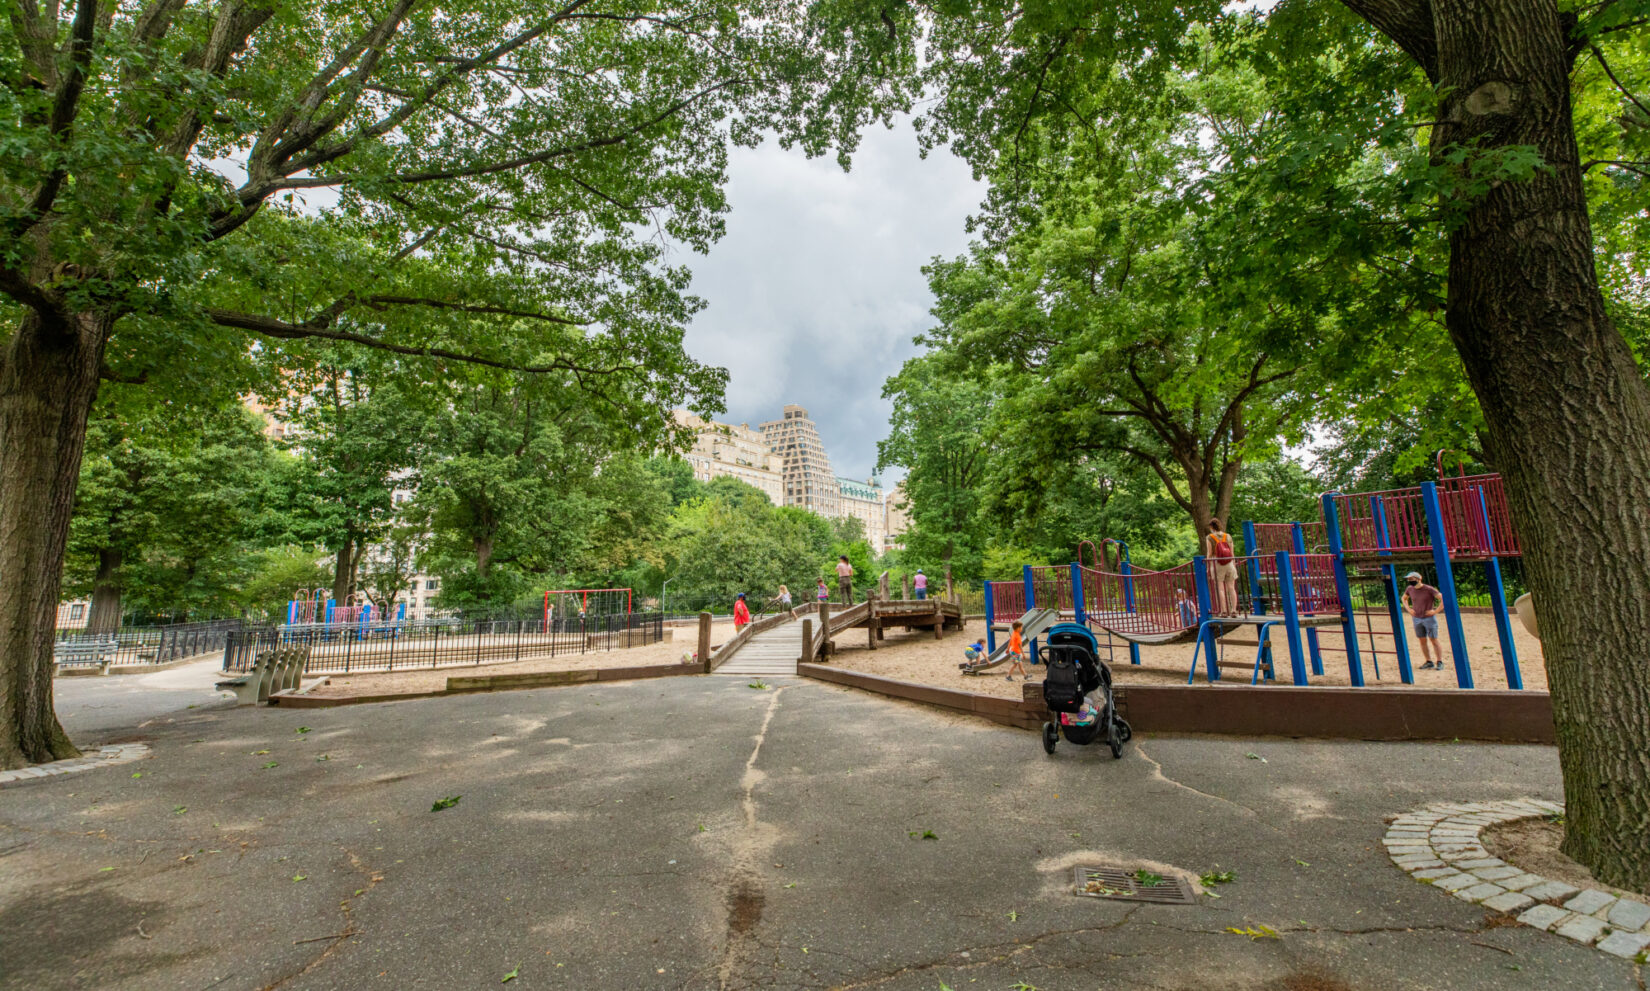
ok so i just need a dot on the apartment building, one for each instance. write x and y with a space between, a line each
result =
723 449
808 480
864 501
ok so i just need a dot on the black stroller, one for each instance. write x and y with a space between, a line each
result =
1071 658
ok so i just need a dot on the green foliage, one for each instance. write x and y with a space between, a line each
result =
442 804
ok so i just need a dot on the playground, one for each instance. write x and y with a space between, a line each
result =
919 658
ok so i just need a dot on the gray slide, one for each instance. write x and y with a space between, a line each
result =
1033 624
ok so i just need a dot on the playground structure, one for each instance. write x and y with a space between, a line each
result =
318 610
566 608
1361 539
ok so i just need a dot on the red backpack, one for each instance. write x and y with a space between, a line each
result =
1221 544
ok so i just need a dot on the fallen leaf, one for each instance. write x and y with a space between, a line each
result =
511 975
445 803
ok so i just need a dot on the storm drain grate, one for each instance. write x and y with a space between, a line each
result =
1134 886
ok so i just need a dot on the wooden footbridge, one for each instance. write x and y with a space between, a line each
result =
775 644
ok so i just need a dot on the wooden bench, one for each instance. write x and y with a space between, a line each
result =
85 654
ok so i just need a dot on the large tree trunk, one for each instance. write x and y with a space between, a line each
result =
47 384
106 593
343 570
1568 414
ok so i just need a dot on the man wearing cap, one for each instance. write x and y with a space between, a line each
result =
1422 602
920 583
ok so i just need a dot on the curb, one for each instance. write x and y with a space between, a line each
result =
1439 845
496 683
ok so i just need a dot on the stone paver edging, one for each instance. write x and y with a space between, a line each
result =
1439 845
119 753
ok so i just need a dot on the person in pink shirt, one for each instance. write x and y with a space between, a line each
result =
845 580
741 613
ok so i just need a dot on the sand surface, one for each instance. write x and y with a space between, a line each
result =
434 680
918 657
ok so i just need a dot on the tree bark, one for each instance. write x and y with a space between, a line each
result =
106 593
1567 414
47 384
343 569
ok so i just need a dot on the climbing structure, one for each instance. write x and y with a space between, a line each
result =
1295 579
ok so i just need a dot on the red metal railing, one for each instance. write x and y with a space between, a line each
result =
1476 519
1273 537
1144 602
1008 601
1051 588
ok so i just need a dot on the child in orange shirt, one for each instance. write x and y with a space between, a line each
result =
1016 653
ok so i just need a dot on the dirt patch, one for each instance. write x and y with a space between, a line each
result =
745 907
1533 844
1312 981
918 657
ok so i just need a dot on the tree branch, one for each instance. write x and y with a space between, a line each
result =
270 327
1406 22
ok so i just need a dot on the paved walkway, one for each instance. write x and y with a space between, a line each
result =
92 706
769 653
693 833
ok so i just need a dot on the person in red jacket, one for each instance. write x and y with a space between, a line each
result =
741 613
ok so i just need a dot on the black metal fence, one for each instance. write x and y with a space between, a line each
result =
139 645
444 642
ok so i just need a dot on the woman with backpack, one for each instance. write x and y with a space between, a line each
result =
1222 570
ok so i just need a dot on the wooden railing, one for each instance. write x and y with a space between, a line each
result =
728 649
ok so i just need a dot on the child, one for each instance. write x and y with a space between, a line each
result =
920 583
1185 607
741 614
974 654
1016 653
822 593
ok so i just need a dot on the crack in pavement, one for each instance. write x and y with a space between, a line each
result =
1011 950
751 844
1157 772
347 933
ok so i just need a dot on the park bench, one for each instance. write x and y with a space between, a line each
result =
278 670
85 654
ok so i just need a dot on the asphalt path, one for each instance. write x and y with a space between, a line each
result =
696 833
91 705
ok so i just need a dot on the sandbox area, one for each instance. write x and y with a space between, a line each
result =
918 657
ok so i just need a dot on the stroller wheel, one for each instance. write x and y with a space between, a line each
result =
1051 736
1125 732
1115 741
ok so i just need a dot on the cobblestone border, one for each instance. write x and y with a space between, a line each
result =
120 753
1439 845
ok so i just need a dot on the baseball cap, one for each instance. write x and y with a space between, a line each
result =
1413 574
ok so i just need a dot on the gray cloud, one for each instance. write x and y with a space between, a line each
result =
816 291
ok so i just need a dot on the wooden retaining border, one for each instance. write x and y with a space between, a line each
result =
499 683
1245 710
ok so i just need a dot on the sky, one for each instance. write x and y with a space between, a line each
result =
816 290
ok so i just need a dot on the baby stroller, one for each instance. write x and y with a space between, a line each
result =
1077 690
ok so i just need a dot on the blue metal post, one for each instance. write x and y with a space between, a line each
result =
1343 589
990 622
1127 570
1446 582
1077 595
1498 601
1291 618
1200 575
1299 539
330 604
1389 585
292 612
1257 605
1031 603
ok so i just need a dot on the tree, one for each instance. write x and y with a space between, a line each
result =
1566 409
937 433
164 518
496 169
359 440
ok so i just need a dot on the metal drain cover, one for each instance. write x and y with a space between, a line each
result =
1133 886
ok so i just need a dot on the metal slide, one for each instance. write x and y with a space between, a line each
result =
1034 623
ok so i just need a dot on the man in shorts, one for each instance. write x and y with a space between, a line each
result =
1423 603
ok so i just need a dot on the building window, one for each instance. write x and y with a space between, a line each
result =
432 583
76 611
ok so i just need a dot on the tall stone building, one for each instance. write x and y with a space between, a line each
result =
736 451
864 501
809 482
